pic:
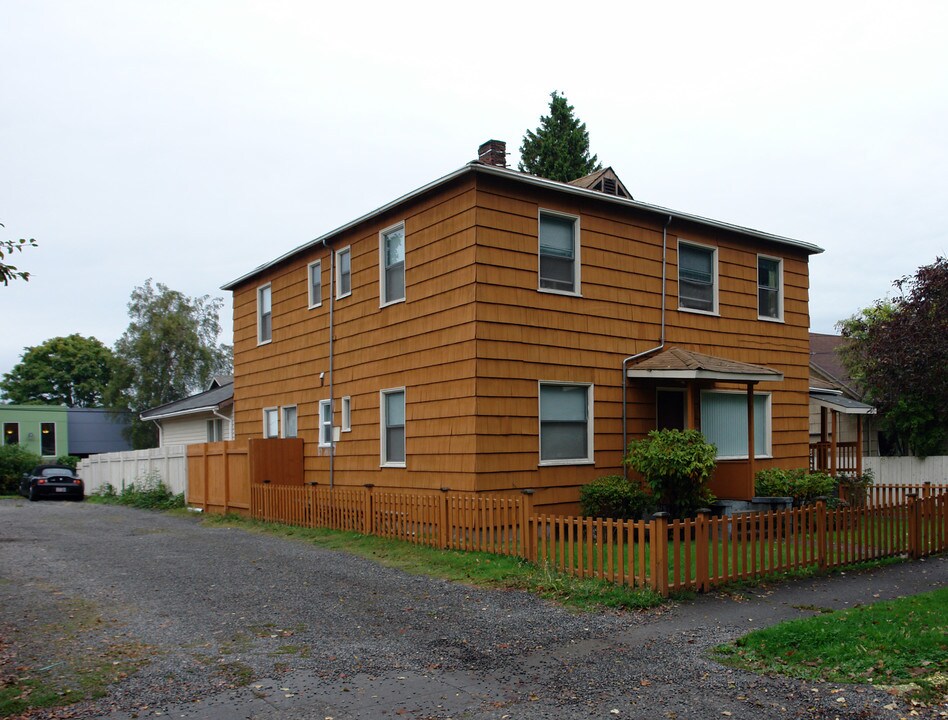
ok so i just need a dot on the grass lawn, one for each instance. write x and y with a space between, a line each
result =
899 643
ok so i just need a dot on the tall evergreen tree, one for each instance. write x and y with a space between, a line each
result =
559 149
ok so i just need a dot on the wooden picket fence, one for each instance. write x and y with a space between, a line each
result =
662 554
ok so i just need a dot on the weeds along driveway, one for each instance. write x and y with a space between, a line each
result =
224 623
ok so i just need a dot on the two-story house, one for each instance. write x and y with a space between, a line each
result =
494 331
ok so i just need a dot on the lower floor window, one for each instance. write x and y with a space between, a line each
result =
289 421
271 423
393 427
11 433
724 422
215 430
565 423
48 439
325 423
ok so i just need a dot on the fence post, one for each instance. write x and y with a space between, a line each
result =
821 532
528 539
368 516
927 489
204 465
658 547
914 527
443 520
702 572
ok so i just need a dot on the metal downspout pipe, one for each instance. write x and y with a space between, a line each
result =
631 358
332 407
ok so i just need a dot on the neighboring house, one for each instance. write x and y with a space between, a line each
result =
843 429
41 429
477 333
205 417
54 430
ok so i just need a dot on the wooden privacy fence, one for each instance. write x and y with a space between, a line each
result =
662 554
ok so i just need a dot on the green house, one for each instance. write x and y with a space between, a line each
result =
41 429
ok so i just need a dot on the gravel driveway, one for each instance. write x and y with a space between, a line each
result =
230 624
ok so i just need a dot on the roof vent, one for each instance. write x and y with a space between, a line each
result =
493 152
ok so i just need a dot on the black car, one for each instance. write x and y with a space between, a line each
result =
58 481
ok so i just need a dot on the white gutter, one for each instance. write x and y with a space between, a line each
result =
181 413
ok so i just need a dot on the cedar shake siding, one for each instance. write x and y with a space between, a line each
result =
476 335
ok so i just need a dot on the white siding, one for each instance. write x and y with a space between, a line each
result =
192 429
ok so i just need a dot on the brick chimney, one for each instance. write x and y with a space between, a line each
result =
493 152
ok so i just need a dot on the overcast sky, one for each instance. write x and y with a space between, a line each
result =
191 141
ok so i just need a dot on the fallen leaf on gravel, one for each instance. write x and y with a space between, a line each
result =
726 712
645 683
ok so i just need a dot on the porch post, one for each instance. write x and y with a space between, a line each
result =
821 460
859 446
750 438
833 449
690 406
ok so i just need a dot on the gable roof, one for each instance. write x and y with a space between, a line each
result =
604 181
680 364
208 401
827 365
476 167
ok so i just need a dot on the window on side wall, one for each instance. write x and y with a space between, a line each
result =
346 414
325 423
393 427
289 421
392 264
559 252
264 315
11 433
315 278
215 430
724 423
566 428
769 288
343 272
697 278
271 423
48 439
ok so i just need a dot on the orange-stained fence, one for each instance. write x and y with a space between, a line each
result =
662 554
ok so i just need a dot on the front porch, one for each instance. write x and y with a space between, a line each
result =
830 454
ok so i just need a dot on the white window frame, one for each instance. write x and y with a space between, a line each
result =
339 253
768 421
383 287
55 451
346 413
283 422
383 449
215 430
760 315
590 458
577 254
317 266
260 314
714 279
325 423
267 411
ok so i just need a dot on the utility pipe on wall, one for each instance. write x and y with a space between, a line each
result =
631 358
332 406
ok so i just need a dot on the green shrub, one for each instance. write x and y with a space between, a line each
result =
14 461
612 496
804 487
677 466
855 488
148 492
68 460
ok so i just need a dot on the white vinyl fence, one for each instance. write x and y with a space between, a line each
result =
121 469
908 470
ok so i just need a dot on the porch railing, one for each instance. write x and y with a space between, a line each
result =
821 455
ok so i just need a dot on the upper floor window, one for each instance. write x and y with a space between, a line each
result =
343 272
559 252
697 277
392 264
289 421
271 423
769 288
264 315
393 427
566 429
315 273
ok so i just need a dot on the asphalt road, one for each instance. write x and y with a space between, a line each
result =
223 623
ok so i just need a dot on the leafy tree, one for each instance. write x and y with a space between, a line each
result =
72 371
898 351
9 272
559 149
168 352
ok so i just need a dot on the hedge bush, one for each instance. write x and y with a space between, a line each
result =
677 466
14 461
612 496
804 487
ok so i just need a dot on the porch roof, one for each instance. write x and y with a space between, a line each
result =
839 402
679 364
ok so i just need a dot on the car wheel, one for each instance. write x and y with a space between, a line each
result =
33 496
